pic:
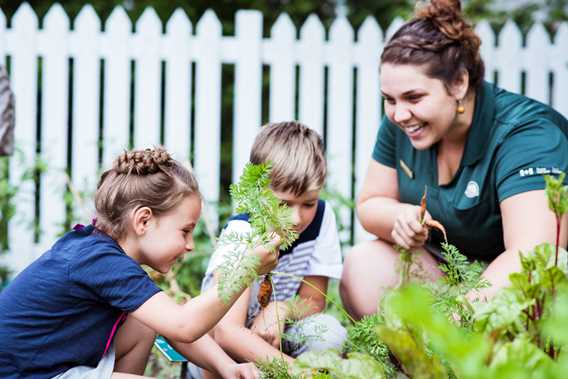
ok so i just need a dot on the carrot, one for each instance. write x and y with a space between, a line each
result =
423 205
265 291
437 225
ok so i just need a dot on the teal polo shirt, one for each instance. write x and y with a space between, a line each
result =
512 143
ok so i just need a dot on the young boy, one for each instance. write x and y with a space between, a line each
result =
249 333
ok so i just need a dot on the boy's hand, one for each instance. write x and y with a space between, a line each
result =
268 326
268 255
241 371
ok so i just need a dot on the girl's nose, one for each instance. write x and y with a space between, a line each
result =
189 245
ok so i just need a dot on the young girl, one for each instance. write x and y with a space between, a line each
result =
86 308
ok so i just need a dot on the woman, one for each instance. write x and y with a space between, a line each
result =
480 151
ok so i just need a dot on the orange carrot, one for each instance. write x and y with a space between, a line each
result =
437 225
265 291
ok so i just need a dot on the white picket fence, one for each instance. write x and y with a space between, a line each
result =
347 113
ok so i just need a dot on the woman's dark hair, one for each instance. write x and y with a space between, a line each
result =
140 178
439 39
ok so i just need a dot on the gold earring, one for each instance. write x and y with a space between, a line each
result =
460 109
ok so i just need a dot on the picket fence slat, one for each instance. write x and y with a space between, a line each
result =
177 128
248 85
3 33
116 126
537 65
148 80
207 139
510 45
54 123
560 69
135 60
368 105
280 55
311 106
339 134
24 85
487 49
86 84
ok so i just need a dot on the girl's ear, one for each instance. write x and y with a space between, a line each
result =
140 220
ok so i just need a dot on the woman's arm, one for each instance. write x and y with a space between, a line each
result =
527 222
379 209
240 342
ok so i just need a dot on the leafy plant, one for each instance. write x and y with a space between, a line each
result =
267 215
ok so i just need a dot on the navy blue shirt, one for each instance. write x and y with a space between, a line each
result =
59 312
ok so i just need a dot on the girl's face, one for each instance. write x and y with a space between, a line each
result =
421 106
169 236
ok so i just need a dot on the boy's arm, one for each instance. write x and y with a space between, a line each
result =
240 342
313 298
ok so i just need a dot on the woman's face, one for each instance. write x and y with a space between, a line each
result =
418 104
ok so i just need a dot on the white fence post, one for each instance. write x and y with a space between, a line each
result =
509 68
208 110
177 133
280 54
368 105
487 49
24 83
312 73
86 92
148 82
3 32
339 133
537 58
54 143
559 63
248 86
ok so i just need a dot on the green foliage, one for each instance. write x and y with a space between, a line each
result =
267 215
363 338
557 194
329 364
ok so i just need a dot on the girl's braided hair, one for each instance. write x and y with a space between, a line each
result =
439 39
140 178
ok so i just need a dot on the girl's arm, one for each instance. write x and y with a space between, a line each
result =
520 214
188 322
208 355
379 208
240 342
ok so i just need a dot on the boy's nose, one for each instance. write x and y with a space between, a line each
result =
295 216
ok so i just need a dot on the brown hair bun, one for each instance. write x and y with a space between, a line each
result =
142 162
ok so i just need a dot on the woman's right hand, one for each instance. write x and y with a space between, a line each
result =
407 231
268 255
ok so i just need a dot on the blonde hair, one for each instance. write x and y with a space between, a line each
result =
297 156
140 178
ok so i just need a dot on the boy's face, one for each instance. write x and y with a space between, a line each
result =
303 207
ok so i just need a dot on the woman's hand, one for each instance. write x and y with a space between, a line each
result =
408 231
268 326
268 255
241 371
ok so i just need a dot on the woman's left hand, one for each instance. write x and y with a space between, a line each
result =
241 371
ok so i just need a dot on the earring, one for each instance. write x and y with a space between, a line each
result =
460 109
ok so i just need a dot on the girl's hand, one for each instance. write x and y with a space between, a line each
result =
407 231
241 371
268 255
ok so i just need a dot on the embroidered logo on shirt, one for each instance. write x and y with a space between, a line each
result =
530 171
472 189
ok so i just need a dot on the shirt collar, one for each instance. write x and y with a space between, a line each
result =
482 124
